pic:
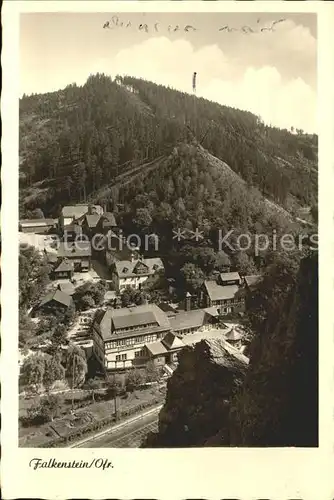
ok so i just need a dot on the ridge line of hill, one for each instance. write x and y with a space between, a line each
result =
80 136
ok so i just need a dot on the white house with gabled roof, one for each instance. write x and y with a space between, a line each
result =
133 273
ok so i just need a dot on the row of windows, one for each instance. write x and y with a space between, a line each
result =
129 280
230 282
137 327
121 357
140 354
143 339
227 301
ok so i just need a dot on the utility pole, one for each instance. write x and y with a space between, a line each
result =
73 382
115 398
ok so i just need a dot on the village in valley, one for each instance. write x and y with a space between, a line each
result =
167 231
117 319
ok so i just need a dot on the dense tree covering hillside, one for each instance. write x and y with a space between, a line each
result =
164 160
77 140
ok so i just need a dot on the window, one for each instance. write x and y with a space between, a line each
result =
121 357
130 341
150 338
140 354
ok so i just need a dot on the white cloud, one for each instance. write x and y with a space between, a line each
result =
259 73
222 79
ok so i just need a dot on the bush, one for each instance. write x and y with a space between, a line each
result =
50 407
115 386
90 294
152 373
134 379
44 411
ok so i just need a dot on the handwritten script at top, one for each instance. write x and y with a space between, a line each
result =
116 23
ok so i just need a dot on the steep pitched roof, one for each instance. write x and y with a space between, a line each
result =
57 296
213 311
171 341
252 280
64 266
75 211
108 219
126 268
229 276
132 318
67 287
220 292
37 222
113 320
156 348
92 220
233 334
188 319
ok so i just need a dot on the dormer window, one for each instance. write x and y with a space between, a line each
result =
125 270
155 267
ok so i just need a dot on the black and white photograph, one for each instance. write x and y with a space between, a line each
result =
168 214
166 197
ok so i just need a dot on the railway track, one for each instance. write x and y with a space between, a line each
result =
129 434
134 439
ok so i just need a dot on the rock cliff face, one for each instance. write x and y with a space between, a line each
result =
215 398
200 393
278 404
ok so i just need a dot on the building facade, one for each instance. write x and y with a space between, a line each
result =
132 336
226 293
133 273
120 335
63 270
79 253
54 301
75 213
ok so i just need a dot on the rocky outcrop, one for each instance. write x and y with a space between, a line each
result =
215 398
200 393
278 404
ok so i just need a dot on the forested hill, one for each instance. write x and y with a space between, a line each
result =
76 142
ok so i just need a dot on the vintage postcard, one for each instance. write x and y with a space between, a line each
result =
167 170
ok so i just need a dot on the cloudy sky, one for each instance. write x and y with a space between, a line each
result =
271 73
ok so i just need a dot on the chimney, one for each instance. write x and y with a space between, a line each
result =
132 256
187 302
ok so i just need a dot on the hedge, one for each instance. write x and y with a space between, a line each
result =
92 427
